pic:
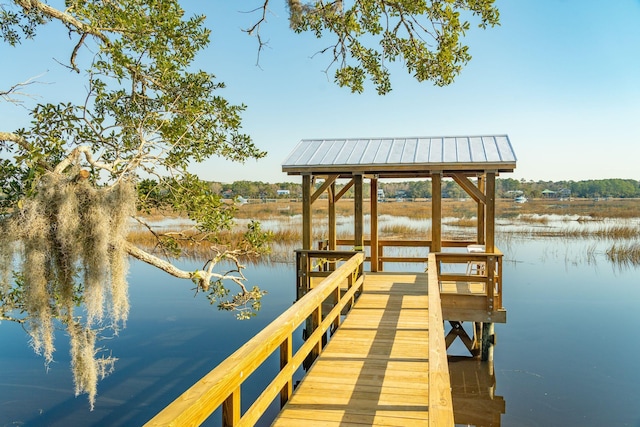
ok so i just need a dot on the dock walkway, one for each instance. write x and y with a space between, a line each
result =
375 368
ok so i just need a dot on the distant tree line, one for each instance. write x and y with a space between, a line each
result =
618 188
507 187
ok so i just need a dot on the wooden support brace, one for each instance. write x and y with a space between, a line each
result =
326 184
346 188
457 331
469 187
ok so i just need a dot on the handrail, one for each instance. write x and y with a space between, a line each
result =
221 386
398 243
325 262
491 277
440 400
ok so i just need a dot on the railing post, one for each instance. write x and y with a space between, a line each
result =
499 282
231 409
302 271
316 319
491 282
286 350
350 281
336 297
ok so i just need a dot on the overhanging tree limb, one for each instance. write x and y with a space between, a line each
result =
63 17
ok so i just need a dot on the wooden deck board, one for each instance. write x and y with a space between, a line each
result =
374 370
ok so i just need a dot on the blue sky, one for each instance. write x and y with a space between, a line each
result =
560 77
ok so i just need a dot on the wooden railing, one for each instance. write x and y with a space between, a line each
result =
221 386
392 243
440 400
313 265
382 244
487 270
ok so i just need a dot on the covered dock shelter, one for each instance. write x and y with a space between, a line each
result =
473 162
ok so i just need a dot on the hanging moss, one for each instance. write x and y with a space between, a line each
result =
71 253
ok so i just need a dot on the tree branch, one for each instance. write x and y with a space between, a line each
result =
73 156
74 54
255 28
67 19
151 259
12 319
201 277
24 144
9 94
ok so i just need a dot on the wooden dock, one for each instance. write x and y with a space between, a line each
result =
375 370
378 348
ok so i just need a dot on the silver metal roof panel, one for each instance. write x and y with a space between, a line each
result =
472 153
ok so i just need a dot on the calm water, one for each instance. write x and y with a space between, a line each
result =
567 356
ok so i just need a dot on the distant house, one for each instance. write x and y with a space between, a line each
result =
564 193
283 192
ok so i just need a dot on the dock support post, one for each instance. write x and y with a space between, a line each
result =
374 225
482 342
436 212
488 340
358 213
306 212
480 226
332 216
490 212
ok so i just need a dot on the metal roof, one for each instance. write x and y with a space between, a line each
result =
402 156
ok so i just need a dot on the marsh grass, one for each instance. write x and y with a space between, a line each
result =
400 230
463 222
534 218
462 212
585 219
603 232
421 208
587 208
624 254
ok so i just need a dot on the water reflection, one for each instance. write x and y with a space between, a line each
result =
172 339
473 390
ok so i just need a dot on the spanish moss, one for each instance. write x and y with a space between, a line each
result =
69 242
